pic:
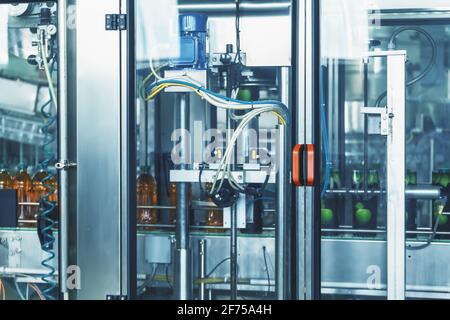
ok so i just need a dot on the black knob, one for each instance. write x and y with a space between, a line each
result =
46 14
230 48
32 60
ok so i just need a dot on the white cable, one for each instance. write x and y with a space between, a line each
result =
48 75
224 166
152 67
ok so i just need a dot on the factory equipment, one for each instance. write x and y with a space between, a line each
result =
223 150
28 111
383 196
223 181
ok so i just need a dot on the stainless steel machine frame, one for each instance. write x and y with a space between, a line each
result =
112 258
392 125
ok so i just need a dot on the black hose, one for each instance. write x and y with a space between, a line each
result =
267 270
429 66
435 228
217 267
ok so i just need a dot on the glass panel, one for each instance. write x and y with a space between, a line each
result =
200 46
28 147
353 208
354 226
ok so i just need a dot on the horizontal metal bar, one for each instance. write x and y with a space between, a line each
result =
231 7
421 192
193 176
29 204
388 53
353 231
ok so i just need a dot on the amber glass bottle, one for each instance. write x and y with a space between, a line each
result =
214 218
39 190
6 181
173 201
22 185
147 195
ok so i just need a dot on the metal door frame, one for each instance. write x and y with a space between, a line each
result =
307 113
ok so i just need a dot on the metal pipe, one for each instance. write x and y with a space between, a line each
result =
366 125
184 281
419 192
233 254
202 266
423 192
23 271
63 147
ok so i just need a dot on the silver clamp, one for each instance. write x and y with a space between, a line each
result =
383 115
65 164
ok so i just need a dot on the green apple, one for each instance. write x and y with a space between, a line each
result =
327 215
363 216
359 205
442 220
245 95
445 180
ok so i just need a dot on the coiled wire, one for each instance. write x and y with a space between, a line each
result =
48 207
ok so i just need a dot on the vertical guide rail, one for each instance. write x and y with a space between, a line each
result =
202 268
183 270
63 148
396 92
393 127
282 234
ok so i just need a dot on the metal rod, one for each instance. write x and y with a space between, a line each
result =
366 125
230 125
354 231
233 254
202 266
420 192
63 147
183 280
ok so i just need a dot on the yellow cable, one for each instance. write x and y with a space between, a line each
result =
161 87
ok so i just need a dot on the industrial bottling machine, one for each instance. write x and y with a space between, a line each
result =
224 149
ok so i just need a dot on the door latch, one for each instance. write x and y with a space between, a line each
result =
65 164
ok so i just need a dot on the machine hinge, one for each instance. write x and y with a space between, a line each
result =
116 22
116 298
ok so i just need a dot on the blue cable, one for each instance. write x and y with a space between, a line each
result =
47 206
199 88
325 140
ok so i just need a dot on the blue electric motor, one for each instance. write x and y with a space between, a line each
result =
193 34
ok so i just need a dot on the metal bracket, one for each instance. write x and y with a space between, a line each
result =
15 250
116 298
64 165
116 22
384 115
